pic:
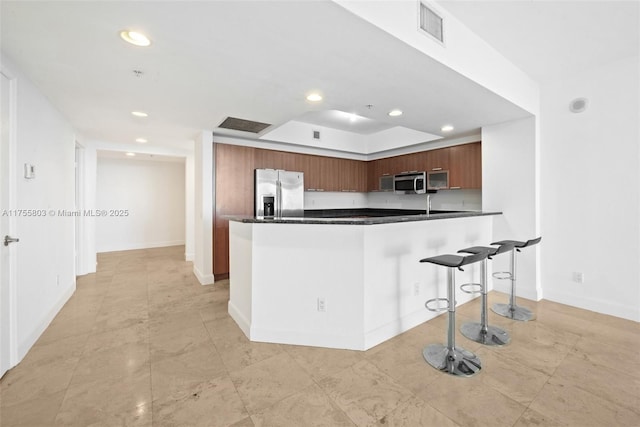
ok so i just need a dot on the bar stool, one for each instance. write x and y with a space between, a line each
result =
482 332
451 359
512 310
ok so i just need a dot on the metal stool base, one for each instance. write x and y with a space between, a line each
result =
459 361
493 336
516 312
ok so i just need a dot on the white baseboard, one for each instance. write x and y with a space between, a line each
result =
204 279
629 312
141 245
240 319
25 344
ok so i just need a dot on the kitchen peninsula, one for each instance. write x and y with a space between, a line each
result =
348 283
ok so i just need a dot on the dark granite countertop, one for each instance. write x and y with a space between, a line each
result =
361 216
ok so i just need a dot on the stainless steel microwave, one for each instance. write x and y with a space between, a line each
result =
410 183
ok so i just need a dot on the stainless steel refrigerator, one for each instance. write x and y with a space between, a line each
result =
278 193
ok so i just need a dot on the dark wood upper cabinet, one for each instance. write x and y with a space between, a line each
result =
465 168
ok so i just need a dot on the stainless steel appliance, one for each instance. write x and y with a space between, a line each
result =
278 193
410 183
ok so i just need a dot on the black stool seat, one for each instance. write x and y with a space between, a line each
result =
505 246
518 244
455 261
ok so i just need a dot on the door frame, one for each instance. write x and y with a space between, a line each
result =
10 172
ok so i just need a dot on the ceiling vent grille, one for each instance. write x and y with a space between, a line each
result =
431 23
234 123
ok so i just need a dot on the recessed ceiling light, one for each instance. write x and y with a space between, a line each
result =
130 154
395 113
314 97
141 140
139 114
446 128
135 38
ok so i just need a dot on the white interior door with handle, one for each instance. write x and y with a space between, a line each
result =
7 251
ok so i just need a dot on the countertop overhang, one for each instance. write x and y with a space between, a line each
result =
392 218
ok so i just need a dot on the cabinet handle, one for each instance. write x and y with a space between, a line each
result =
319 189
454 188
386 174
436 169
345 190
311 189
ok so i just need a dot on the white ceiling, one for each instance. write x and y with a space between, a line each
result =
251 60
553 38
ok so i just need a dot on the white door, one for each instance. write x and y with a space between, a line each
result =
6 252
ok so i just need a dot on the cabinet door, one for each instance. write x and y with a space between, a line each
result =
436 160
465 170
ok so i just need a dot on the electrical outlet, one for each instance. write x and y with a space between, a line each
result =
578 277
322 305
416 289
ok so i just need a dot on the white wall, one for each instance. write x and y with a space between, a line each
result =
203 201
591 189
509 186
45 255
153 193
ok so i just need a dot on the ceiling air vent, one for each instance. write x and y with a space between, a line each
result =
234 123
431 22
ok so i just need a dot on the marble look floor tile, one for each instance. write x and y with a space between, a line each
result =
55 351
123 361
309 407
470 402
162 323
108 401
124 317
405 364
269 381
509 377
416 412
538 346
174 343
576 407
615 355
215 311
320 362
68 327
210 403
40 411
235 349
28 382
176 374
98 341
606 382
364 392
531 418
247 422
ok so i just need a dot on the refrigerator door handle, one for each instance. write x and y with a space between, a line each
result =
278 206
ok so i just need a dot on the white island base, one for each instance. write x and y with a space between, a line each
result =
343 286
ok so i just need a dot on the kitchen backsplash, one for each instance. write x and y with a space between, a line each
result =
459 200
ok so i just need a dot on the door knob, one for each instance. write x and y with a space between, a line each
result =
9 239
